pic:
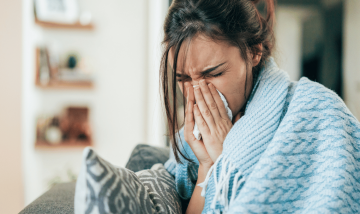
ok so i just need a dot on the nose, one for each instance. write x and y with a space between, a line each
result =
195 82
191 83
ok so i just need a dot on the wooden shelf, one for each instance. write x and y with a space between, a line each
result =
76 25
66 85
64 144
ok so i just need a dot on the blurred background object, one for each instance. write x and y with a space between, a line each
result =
59 11
72 71
69 128
78 72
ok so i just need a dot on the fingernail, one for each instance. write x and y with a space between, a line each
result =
202 82
210 85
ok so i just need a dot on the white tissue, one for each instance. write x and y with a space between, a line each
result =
196 131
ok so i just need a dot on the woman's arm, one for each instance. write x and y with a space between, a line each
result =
196 204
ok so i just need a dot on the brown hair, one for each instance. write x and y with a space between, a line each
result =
237 22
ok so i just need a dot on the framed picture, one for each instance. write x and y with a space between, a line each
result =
60 11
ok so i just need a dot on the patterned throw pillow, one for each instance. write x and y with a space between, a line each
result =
104 188
161 188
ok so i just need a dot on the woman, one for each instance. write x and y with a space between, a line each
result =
289 147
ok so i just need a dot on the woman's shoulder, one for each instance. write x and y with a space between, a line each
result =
307 91
311 98
304 88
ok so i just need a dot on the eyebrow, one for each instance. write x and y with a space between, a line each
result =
205 71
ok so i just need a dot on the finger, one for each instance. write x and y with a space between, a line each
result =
203 127
219 102
189 122
205 112
191 92
185 89
195 144
210 102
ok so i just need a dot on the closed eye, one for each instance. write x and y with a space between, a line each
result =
181 79
215 75
218 74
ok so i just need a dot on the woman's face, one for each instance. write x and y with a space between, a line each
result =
217 63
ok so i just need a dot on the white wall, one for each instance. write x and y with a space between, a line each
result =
11 188
156 114
118 50
351 63
288 31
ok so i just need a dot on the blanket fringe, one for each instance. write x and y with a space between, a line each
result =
222 183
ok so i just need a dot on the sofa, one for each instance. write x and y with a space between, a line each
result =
60 198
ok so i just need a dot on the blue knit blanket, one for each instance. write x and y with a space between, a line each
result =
296 150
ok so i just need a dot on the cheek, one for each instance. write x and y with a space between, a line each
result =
232 89
224 85
237 82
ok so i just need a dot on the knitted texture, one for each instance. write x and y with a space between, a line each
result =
296 150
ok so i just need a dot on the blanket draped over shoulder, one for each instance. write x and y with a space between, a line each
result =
295 150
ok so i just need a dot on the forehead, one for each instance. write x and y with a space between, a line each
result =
198 54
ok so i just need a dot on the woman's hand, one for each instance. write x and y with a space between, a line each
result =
197 146
210 115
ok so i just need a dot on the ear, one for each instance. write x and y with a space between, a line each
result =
256 55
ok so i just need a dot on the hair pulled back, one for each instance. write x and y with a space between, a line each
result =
237 22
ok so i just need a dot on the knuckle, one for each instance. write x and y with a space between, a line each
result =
206 112
223 127
213 105
203 123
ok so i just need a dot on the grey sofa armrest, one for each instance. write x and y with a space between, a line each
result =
145 156
59 199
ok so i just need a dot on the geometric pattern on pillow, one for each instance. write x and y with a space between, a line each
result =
104 188
161 188
145 156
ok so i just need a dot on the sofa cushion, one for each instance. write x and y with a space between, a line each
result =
145 156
